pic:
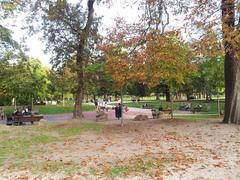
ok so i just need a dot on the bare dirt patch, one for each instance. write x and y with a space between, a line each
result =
164 149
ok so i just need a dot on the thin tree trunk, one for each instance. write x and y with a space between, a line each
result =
218 105
199 95
168 94
115 97
188 96
176 96
172 107
63 102
87 98
207 96
157 96
121 107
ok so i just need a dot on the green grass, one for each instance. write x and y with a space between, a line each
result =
52 109
208 108
68 168
61 109
77 129
198 117
17 143
147 164
118 171
93 171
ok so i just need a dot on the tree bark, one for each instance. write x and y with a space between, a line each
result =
79 94
188 96
207 96
77 114
199 95
231 65
232 90
168 94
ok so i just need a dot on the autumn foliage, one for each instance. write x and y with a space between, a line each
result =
149 59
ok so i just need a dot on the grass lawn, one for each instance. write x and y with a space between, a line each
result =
52 109
208 108
197 117
19 143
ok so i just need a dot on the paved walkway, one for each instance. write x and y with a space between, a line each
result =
92 115
111 115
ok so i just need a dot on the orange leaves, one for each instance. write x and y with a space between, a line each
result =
168 58
149 58
208 45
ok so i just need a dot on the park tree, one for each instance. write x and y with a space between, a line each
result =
61 82
22 79
138 89
67 28
8 8
158 58
210 15
231 39
220 16
7 43
99 81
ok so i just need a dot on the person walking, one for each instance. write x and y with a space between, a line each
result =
118 111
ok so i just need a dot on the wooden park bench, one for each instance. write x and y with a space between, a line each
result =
18 120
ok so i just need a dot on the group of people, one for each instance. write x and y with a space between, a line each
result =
17 112
185 106
188 106
22 111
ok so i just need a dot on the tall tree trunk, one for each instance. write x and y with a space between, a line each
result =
232 90
168 94
207 96
157 96
104 97
176 96
115 97
77 114
188 96
231 65
199 95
